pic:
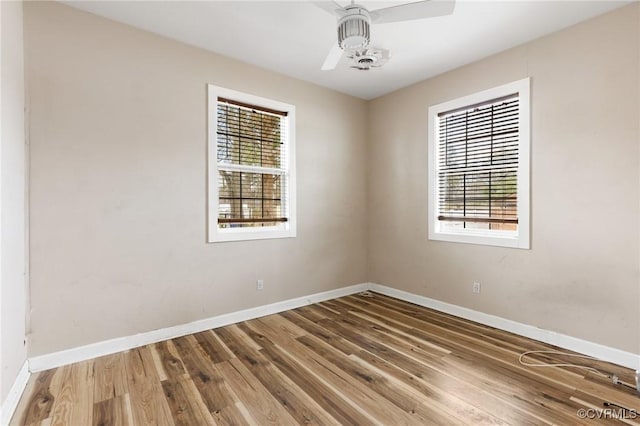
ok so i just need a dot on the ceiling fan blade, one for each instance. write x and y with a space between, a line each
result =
331 7
332 58
411 11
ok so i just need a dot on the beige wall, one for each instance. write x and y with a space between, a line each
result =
13 352
581 276
118 138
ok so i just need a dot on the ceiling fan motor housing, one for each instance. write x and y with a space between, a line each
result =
354 28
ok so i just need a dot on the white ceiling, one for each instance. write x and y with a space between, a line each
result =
293 37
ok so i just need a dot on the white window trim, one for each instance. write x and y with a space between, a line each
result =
519 239
216 234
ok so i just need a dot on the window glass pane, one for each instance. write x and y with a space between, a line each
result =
247 198
248 137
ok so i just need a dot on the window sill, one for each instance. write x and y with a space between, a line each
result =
480 238
227 235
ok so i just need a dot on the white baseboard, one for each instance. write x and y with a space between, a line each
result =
596 350
107 347
13 397
83 353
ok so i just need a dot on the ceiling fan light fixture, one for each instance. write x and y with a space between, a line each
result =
366 59
354 28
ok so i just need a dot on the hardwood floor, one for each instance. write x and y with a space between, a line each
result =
354 360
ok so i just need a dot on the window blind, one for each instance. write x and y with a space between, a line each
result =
477 165
252 165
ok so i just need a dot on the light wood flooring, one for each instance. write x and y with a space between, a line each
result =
354 360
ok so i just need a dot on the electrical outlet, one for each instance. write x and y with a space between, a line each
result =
259 284
476 287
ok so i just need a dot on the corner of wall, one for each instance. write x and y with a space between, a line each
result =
13 246
367 190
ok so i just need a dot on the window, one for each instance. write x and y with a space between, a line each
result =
251 167
479 168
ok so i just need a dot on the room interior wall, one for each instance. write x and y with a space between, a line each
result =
117 185
118 134
581 276
13 352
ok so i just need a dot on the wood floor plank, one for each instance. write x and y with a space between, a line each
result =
261 407
236 414
38 407
157 362
171 363
204 374
309 321
341 383
375 382
148 404
322 394
183 404
212 346
387 337
112 412
390 329
282 325
45 422
300 407
110 377
63 404
358 359
512 384
73 404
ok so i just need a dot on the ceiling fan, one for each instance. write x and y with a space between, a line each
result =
354 35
